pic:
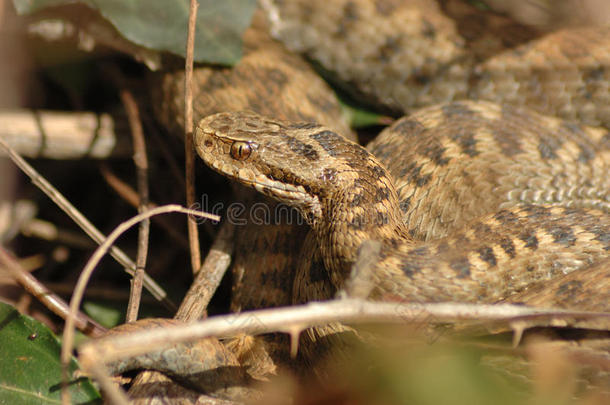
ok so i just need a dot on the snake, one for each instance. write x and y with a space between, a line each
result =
528 195
347 197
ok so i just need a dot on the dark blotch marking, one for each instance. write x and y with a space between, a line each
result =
389 48
536 211
455 110
350 15
507 138
482 229
468 144
548 147
506 217
394 242
327 140
487 255
378 171
357 200
563 236
407 126
405 204
412 174
385 7
461 266
466 139
435 153
428 31
422 181
382 194
586 151
420 251
601 235
410 268
568 289
276 76
531 241
304 125
317 272
594 75
302 116
508 246
301 148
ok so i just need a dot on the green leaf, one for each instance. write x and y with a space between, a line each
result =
30 369
360 117
107 314
162 24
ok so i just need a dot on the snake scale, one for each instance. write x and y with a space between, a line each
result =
347 196
473 201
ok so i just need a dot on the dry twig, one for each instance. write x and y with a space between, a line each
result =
141 161
351 311
54 303
189 151
206 281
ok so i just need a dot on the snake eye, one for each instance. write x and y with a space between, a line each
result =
240 150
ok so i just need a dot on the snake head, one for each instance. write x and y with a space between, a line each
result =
270 156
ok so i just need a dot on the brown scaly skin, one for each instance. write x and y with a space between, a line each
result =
455 162
347 197
413 53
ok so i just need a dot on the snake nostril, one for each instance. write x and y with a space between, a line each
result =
208 143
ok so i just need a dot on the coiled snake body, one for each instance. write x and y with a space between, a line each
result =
348 196
472 201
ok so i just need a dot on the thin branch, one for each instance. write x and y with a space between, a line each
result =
68 334
126 192
83 222
53 302
141 161
352 311
189 151
195 303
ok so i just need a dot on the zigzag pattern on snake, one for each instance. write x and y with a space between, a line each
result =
347 196
429 60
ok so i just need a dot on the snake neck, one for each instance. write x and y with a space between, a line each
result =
357 205
343 192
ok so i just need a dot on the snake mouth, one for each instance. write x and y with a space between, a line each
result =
270 187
